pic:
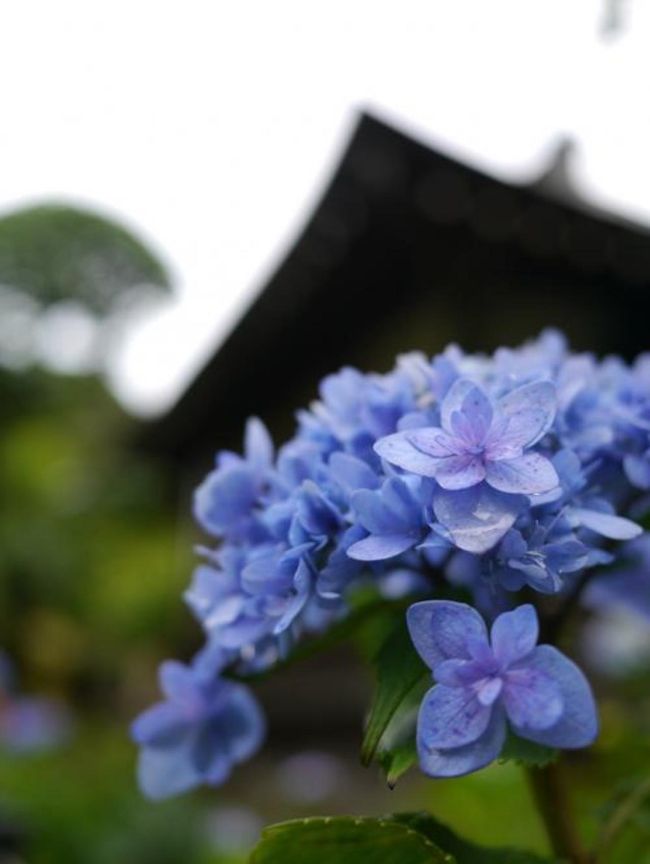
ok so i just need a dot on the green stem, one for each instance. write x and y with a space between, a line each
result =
549 792
621 817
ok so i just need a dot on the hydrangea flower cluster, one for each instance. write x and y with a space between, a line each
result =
482 474
483 683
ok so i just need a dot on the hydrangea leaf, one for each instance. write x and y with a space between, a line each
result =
397 751
525 752
396 761
347 840
463 851
399 672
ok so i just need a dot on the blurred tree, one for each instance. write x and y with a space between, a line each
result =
55 252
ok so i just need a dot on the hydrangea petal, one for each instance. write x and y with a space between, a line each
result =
532 699
225 497
578 723
460 472
530 411
372 513
398 450
477 518
528 474
258 444
451 717
213 764
606 524
637 469
245 631
179 685
474 418
242 724
490 691
471 757
208 752
399 499
352 473
379 547
163 773
162 724
459 673
514 634
301 584
454 401
440 629
436 443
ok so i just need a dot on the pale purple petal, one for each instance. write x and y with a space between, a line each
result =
264 574
532 699
637 469
399 499
245 631
471 757
301 584
258 445
352 473
459 673
474 418
460 472
453 402
178 683
436 443
372 512
529 474
606 524
225 496
440 629
530 411
514 634
476 518
378 547
214 764
242 724
451 717
578 723
227 610
162 725
489 691
164 773
398 450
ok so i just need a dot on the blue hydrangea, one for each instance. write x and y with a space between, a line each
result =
485 683
204 727
487 474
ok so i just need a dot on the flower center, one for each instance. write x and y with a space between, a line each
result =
489 689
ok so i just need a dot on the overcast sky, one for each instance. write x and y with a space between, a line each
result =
211 126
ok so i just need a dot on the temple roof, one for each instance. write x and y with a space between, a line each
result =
411 248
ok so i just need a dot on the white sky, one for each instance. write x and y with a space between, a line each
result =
210 127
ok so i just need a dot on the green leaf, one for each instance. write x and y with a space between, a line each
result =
55 252
396 751
464 851
396 761
525 752
347 841
399 671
